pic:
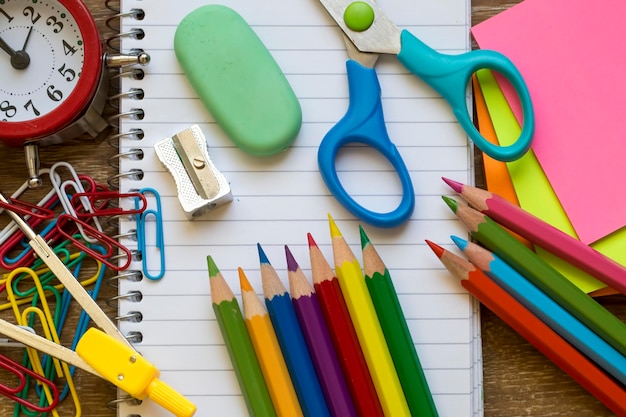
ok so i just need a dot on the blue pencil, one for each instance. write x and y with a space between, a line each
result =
544 307
291 341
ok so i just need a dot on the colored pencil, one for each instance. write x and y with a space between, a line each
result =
268 352
239 345
318 340
396 331
292 343
550 312
367 326
544 276
540 335
343 334
544 235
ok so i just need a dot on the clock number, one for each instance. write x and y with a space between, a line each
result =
34 17
55 95
5 14
68 73
52 21
8 110
30 104
69 49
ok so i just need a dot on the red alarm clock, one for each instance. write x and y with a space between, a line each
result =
53 84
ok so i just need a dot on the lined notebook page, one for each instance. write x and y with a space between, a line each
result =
278 199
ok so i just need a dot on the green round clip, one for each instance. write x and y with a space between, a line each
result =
359 16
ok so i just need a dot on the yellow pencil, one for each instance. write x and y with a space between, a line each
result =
268 352
367 326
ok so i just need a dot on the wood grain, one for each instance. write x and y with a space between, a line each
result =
518 381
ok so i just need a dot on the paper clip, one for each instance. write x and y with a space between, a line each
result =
94 235
141 235
27 209
50 234
23 373
77 185
100 200
47 202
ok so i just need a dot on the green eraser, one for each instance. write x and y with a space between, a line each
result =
238 80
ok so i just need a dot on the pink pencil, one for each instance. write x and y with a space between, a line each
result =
544 235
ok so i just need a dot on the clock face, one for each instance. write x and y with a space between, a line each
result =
50 64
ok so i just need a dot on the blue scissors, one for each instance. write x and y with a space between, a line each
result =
369 33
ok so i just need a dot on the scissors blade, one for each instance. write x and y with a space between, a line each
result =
383 36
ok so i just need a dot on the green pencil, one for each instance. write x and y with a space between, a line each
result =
396 331
495 238
239 345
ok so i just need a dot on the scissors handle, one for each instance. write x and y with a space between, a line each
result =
364 123
450 75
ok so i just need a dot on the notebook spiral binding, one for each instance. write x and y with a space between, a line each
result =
113 44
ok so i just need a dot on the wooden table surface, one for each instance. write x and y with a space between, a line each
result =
518 381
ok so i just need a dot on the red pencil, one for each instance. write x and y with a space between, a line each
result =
529 326
343 335
544 235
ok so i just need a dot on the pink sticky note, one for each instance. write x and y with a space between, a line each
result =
573 58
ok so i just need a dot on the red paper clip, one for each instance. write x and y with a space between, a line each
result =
27 209
22 373
13 240
100 200
108 244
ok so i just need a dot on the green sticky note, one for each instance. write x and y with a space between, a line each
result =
238 80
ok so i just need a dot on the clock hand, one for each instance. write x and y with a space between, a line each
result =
20 59
27 38
6 48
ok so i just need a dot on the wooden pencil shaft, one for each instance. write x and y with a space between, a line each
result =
401 346
396 331
548 237
555 348
546 309
540 273
324 357
348 349
343 335
372 340
243 358
268 352
296 355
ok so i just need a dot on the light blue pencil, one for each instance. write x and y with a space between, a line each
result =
544 307
292 342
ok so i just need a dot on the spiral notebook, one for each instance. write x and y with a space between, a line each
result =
277 200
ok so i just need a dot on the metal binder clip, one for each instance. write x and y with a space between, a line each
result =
201 187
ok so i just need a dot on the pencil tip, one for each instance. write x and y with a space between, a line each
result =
364 239
451 202
213 269
243 281
436 248
334 230
459 242
262 257
292 265
455 185
312 243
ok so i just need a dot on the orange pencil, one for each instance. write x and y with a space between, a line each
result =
268 352
540 335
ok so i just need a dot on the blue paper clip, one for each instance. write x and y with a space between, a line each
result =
141 234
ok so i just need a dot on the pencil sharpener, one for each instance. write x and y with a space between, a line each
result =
201 186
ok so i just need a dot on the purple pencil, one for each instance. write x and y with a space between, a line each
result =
318 340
